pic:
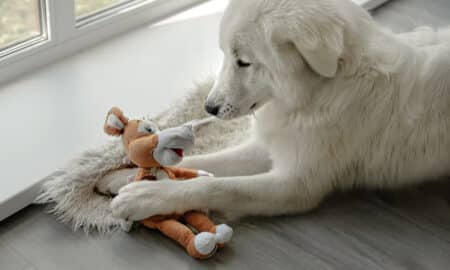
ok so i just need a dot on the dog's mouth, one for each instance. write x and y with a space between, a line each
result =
253 106
178 151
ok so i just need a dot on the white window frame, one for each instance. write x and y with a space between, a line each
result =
33 41
66 36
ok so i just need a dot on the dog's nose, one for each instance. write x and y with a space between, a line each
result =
212 109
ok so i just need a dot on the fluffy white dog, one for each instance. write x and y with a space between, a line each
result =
338 102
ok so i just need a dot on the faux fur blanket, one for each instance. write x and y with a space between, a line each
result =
70 191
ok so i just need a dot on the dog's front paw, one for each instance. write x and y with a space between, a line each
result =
144 199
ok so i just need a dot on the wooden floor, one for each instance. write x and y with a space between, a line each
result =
401 230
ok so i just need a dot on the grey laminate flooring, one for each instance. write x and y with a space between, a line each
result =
390 230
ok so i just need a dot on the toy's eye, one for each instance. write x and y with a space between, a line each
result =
147 127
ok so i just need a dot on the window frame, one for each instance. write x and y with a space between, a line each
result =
63 35
32 41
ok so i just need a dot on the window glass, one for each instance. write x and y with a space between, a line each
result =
89 7
20 20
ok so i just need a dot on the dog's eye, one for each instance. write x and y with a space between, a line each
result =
242 64
149 129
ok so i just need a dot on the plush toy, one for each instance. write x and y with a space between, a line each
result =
153 151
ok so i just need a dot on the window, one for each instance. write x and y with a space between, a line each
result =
91 11
89 7
22 22
36 32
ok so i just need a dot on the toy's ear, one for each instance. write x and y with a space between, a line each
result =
115 122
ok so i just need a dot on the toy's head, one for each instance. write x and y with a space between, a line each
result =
145 144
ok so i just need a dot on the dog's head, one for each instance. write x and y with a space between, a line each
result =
271 47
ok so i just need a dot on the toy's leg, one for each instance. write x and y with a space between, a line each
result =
200 246
203 223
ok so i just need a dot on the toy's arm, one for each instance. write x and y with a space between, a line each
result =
183 173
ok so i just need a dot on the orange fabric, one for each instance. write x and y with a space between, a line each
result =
173 229
176 173
199 221
113 131
139 149
178 232
143 174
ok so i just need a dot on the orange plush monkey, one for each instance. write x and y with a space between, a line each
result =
153 151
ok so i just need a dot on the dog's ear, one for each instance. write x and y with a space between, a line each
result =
320 44
115 122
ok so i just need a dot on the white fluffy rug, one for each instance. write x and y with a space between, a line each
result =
70 191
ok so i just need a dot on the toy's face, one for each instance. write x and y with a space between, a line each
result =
146 145
139 140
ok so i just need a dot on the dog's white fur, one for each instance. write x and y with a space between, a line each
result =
339 102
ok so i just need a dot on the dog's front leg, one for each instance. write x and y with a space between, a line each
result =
248 158
263 194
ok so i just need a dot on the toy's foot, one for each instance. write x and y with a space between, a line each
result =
203 246
223 233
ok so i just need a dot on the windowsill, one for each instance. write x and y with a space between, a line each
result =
53 114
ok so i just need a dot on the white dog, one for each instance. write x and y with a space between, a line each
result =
338 103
